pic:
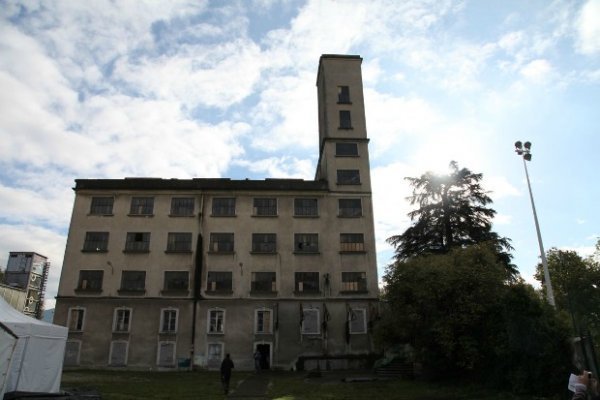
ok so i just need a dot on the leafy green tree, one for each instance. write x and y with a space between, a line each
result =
464 320
576 284
452 212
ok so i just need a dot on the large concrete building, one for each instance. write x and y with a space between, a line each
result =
158 271
26 272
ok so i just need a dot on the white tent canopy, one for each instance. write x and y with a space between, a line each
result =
31 352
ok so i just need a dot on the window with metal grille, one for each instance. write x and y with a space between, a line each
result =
179 242
142 206
352 242
90 280
310 321
307 282
304 207
122 320
348 177
221 243
137 242
216 321
263 321
354 282
265 206
223 207
133 281
102 206
263 282
264 243
219 281
182 206
346 149
168 321
343 95
345 120
176 280
306 243
76 319
350 208
95 241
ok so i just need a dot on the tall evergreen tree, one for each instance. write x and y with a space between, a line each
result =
452 213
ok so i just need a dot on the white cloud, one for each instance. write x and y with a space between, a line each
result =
588 28
196 75
537 71
280 167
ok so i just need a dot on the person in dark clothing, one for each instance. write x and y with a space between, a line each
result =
226 367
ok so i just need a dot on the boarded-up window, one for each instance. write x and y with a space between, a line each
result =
358 321
72 353
118 353
166 354
310 322
214 355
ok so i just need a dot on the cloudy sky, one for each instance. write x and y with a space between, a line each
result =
113 89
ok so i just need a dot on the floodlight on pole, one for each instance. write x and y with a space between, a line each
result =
524 150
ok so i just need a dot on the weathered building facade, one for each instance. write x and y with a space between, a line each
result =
157 271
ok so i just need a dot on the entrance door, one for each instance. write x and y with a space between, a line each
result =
265 352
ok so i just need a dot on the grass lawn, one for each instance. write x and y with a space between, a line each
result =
121 385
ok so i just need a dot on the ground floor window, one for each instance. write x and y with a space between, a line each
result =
166 354
214 355
72 350
118 353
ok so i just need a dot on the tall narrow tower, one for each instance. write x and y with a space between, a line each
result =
343 142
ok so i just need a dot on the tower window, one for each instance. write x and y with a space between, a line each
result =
348 177
350 208
345 120
346 149
343 95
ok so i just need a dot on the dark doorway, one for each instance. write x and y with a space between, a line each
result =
265 355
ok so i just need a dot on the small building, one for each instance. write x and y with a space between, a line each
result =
161 272
28 271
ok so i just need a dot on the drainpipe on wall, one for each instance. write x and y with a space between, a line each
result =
197 283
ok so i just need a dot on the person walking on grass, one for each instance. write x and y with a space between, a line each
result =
226 367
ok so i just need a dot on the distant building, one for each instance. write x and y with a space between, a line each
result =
14 296
157 271
28 272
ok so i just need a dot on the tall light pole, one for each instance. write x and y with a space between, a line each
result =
524 149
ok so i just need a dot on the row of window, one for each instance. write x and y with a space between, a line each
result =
226 206
263 320
222 281
222 242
